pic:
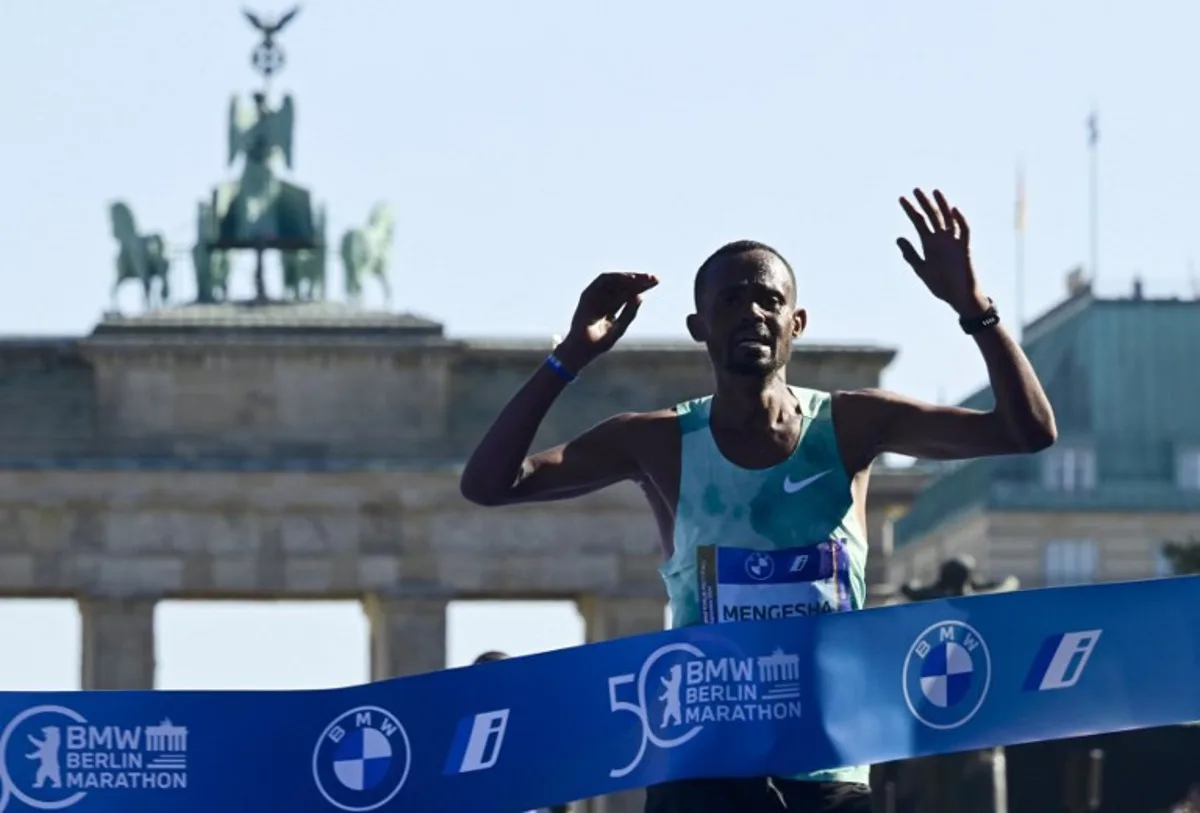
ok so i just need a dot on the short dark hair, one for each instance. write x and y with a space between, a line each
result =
731 250
489 656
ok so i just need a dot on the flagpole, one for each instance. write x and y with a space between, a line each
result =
1019 250
1094 194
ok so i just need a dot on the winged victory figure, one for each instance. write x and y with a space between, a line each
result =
260 133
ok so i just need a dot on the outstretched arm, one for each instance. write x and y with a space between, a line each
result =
872 422
1022 420
500 471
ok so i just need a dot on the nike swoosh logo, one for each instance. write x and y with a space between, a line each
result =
790 487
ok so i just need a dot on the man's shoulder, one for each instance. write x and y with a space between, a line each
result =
640 441
862 395
868 404
646 423
646 435
858 409
859 416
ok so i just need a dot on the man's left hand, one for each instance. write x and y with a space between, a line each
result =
946 244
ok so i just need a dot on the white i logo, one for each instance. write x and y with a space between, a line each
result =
480 749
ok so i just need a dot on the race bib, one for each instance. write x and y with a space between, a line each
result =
740 584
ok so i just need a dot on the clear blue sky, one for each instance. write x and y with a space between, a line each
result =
541 142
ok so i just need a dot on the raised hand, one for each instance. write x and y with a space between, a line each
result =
606 309
946 244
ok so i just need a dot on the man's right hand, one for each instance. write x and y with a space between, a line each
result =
606 309
500 472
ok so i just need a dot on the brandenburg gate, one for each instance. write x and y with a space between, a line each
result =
311 451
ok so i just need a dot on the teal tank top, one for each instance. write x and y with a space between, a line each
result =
768 543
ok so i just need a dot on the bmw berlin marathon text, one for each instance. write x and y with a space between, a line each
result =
52 757
680 690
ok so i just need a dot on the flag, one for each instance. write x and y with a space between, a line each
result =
1093 130
1019 215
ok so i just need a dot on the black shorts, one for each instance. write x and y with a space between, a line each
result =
759 795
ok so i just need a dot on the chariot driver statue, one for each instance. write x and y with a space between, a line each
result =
261 209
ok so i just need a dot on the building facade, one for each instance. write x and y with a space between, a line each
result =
1124 477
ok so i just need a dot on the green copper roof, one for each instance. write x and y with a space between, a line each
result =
1120 374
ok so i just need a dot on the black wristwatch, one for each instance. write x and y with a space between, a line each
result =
975 324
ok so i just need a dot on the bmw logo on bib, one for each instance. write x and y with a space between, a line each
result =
947 674
362 759
759 566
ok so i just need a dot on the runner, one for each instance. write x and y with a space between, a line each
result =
761 464
489 656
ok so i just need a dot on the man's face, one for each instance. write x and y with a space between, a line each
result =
747 318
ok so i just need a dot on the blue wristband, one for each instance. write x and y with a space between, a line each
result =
552 361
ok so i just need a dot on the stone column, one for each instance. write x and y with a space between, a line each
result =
118 643
880 528
408 634
608 617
